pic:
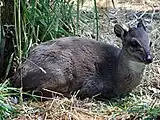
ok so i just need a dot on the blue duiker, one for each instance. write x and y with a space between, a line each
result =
71 64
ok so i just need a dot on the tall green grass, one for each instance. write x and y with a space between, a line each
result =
43 20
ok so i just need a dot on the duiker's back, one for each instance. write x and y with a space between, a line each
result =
67 65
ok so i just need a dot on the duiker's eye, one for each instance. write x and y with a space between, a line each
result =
150 44
134 44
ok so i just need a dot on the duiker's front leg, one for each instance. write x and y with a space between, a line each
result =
91 87
97 87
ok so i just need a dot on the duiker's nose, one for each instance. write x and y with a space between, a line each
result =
149 59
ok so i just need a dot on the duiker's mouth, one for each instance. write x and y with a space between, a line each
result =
144 61
148 62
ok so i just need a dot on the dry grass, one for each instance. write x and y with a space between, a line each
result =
130 107
142 103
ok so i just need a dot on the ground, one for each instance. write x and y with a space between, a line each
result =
142 103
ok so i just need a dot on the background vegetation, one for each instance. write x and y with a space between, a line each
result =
32 22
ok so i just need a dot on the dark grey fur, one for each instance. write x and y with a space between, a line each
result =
70 64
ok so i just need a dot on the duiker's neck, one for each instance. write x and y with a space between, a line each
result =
128 72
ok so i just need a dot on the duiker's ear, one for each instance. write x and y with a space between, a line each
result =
119 31
141 25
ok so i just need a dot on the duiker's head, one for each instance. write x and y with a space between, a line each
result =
135 42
